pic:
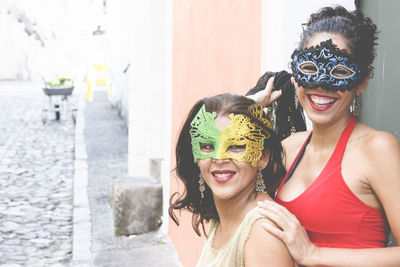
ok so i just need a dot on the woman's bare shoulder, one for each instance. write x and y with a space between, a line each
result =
374 143
262 247
295 140
292 144
377 151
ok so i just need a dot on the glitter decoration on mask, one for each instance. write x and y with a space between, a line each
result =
203 130
326 66
240 132
257 111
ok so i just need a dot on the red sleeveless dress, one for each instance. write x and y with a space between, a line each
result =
330 212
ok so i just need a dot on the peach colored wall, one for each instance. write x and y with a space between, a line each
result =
216 49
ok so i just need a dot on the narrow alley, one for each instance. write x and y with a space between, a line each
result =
37 169
36 183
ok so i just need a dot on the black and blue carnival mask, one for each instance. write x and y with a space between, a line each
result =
326 66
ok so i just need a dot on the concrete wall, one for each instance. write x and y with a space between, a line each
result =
216 48
120 39
36 42
140 38
149 114
380 107
14 50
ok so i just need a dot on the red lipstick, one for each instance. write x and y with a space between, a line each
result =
321 102
222 176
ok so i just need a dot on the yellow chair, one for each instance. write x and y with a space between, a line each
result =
98 74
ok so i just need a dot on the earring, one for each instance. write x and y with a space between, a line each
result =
260 186
355 108
202 187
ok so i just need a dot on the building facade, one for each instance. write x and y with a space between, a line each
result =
175 52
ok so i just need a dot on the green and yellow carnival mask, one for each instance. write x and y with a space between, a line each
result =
241 132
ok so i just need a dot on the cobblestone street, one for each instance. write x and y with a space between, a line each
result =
36 180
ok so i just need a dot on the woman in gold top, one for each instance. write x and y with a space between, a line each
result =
229 158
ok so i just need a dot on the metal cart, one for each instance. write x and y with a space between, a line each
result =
58 102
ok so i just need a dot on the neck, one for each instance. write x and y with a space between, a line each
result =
328 135
232 211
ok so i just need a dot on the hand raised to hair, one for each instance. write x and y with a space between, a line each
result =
266 96
289 230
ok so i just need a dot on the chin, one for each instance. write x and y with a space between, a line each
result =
223 195
320 119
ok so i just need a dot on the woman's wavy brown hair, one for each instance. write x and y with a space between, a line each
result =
204 210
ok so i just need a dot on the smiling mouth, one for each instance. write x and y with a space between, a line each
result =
321 102
223 175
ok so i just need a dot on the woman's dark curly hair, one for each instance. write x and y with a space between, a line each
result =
289 117
187 170
359 31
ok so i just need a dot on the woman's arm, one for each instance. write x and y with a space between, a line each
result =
264 249
382 157
290 231
383 152
268 95
384 176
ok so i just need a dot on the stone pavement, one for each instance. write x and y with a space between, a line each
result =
36 180
106 139
42 222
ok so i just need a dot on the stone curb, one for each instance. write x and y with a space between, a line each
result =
81 239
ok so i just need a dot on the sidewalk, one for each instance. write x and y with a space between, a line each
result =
106 149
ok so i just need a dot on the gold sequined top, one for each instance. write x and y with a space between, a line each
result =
232 255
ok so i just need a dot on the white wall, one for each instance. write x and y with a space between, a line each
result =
140 34
13 49
119 33
63 27
281 28
140 108
150 93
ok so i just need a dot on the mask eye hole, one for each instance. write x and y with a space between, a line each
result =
342 72
308 67
206 148
236 149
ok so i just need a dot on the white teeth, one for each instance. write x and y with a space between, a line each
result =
222 175
321 100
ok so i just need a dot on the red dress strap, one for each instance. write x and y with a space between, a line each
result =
295 162
341 145
336 156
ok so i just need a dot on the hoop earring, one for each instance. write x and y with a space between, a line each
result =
260 185
202 187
